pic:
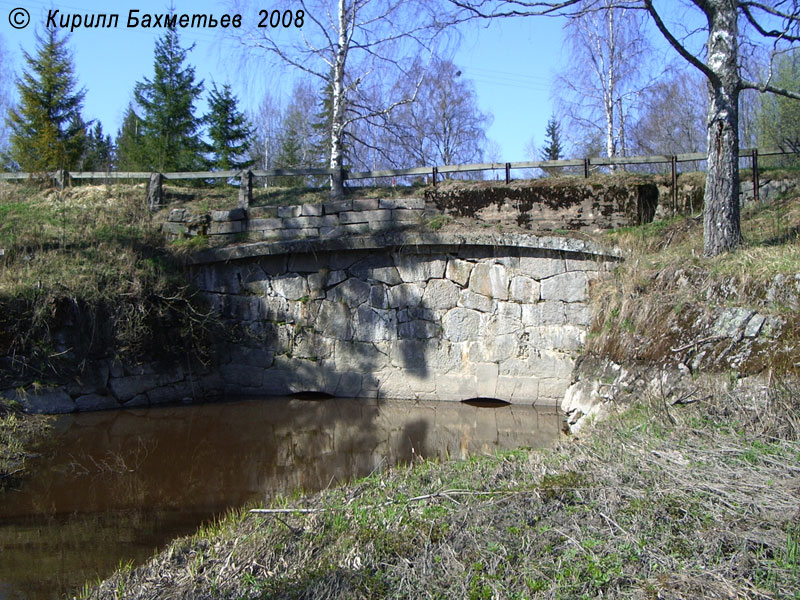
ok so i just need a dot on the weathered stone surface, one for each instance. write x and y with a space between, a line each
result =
551 363
402 215
312 345
337 206
502 325
226 227
374 325
731 320
388 275
331 231
461 324
566 287
289 211
552 313
291 287
754 325
577 313
335 320
489 280
365 204
311 210
242 375
235 214
458 271
500 347
265 224
125 388
440 294
524 289
177 215
412 269
409 203
469 299
54 402
353 292
418 329
378 296
252 357
405 295
302 222
418 312
365 216
354 228
335 277
358 356
541 267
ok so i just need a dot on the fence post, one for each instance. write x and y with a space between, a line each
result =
435 173
756 196
62 178
155 193
586 168
508 173
245 189
673 161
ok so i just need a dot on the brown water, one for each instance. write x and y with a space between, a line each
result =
114 487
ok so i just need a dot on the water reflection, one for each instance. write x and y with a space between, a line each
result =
114 486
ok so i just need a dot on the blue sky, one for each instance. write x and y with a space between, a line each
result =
511 63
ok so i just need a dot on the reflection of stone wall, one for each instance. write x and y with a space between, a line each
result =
445 321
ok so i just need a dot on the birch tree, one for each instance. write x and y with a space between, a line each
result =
672 119
443 126
609 53
714 50
350 46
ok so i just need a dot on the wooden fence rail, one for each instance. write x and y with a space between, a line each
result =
63 177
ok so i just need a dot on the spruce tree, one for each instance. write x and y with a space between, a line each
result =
99 153
47 131
552 149
229 131
129 145
170 130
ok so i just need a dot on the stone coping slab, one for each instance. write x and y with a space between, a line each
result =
405 239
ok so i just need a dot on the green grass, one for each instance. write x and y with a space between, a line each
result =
17 432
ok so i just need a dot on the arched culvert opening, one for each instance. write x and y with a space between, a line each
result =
311 395
483 402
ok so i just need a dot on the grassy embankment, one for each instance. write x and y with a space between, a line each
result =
698 498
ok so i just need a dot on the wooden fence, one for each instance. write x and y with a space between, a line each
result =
245 192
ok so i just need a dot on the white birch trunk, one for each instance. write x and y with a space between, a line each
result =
338 101
721 222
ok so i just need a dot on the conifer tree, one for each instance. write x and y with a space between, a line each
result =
99 153
297 147
229 131
129 145
47 131
552 149
170 130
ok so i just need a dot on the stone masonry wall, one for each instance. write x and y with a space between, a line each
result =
307 221
440 322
